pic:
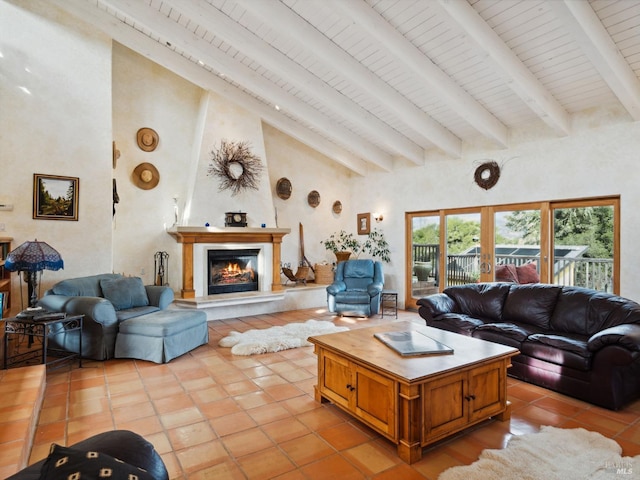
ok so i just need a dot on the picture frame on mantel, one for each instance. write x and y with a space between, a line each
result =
364 223
55 197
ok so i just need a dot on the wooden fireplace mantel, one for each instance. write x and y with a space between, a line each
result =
187 236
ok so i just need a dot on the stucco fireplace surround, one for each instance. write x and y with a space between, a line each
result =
197 240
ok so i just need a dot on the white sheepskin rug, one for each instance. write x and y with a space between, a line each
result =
551 454
275 339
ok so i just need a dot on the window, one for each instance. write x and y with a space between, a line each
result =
572 242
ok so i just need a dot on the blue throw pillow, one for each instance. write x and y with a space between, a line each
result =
125 292
64 463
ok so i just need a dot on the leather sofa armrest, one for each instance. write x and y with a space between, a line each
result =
437 304
627 336
336 287
159 296
125 445
97 309
374 289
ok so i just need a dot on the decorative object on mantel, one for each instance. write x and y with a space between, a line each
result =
344 244
275 339
146 176
313 198
235 166
487 175
235 219
147 139
337 207
283 188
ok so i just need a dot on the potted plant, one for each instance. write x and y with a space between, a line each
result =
376 246
344 244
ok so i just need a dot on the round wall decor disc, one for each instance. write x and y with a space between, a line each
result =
283 188
337 207
313 198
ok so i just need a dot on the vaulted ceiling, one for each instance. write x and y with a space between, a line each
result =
369 82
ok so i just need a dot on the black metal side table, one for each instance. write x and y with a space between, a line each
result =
389 303
24 333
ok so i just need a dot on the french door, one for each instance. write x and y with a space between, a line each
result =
561 242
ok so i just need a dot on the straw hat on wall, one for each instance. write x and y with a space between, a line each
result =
147 139
146 176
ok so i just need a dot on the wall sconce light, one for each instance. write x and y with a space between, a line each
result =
378 217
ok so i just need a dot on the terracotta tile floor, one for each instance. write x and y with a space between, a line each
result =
214 415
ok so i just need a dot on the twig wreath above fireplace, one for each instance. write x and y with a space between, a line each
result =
235 166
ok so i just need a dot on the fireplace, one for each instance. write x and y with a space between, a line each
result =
231 271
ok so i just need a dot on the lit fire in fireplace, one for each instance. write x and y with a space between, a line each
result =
232 273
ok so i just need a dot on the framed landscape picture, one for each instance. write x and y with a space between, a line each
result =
55 197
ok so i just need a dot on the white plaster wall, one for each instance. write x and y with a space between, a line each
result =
147 95
225 120
55 118
307 170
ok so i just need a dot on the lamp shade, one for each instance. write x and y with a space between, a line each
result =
33 257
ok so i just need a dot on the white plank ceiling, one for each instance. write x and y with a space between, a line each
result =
368 82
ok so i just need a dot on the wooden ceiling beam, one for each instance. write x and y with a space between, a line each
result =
413 59
270 58
517 76
596 43
335 58
350 155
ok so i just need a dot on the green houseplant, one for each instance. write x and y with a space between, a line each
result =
374 244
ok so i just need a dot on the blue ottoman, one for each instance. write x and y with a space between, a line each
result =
161 336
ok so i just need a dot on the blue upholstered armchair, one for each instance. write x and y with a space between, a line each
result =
356 288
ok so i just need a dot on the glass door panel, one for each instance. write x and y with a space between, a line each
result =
462 237
425 256
517 246
584 247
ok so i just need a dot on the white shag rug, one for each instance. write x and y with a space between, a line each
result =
275 339
551 454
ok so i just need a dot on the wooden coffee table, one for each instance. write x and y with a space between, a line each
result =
413 401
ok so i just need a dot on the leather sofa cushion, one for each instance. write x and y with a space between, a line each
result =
531 304
509 330
561 351
583 311
456 322
353 296
480 300
563 342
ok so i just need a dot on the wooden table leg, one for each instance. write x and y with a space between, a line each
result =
410 424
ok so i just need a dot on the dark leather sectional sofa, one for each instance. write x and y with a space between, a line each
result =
576 341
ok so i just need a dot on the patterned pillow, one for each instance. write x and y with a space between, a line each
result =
66 463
